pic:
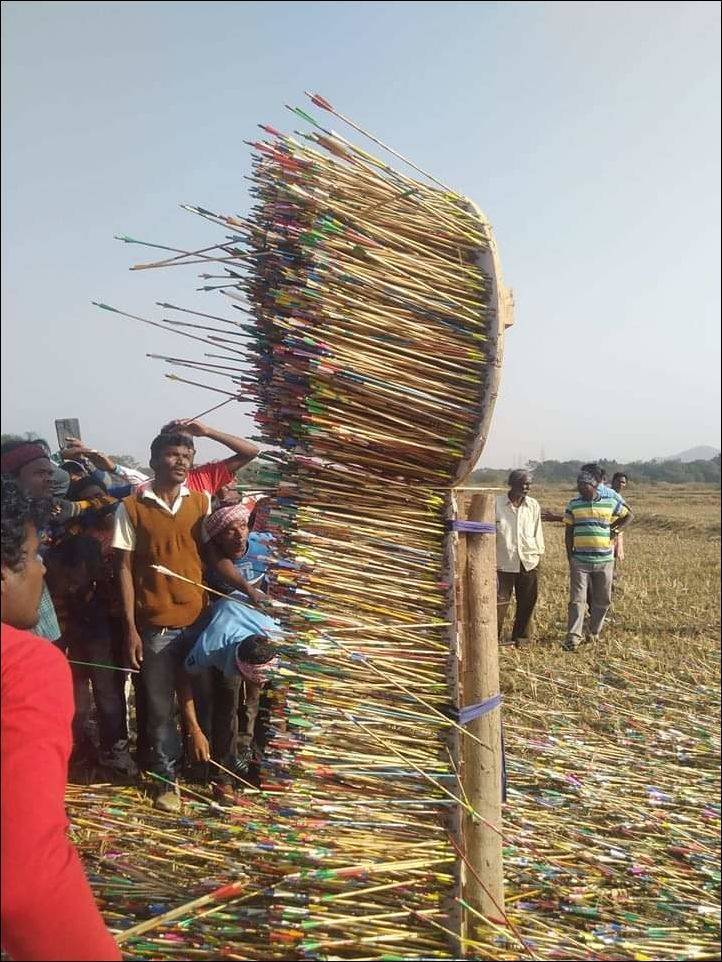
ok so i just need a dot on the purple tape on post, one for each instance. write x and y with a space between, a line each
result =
465 715
473 527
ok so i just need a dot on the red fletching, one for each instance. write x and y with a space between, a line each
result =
319 101
228 890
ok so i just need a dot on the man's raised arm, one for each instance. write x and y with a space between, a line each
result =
245 451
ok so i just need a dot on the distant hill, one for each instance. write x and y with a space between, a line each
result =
702 452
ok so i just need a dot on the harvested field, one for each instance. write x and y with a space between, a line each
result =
613 753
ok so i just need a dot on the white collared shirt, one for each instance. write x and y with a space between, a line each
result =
124 532
519 535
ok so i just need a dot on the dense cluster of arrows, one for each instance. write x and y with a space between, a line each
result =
370 335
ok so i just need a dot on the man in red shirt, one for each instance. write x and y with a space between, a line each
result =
215 474
46 906
211 476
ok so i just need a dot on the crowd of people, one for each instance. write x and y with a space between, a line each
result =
593 538
107 573
108 607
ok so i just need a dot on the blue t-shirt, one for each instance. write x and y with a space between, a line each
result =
253 564
229 624
606 492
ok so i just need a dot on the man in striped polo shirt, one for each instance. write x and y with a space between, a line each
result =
591 521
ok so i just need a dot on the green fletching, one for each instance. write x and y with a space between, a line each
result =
306 117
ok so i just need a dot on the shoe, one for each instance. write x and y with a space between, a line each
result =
570 644
243 762
253 778
225 795
118 759
168 802
83 761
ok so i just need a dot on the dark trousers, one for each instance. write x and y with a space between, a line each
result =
254 718
141 724
216 700
96 639
524 585
249 715
164 650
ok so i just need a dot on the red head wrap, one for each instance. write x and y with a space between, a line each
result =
221 518
15 460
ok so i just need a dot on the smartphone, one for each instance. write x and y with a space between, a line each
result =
67 428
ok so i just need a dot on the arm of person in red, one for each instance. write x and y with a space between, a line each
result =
212 476
47 908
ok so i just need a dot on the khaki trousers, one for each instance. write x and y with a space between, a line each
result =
596 582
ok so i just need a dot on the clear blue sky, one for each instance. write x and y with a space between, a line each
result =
588 132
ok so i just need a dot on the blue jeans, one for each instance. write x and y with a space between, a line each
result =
164 650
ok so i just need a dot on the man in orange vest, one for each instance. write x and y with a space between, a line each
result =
161 524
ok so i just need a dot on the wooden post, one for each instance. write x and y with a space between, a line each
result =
481 766
456 561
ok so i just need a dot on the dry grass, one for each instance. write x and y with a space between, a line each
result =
613 752
666 612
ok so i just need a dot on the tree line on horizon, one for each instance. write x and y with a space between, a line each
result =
641 472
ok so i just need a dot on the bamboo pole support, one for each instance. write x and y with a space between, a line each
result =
456 563
481 770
